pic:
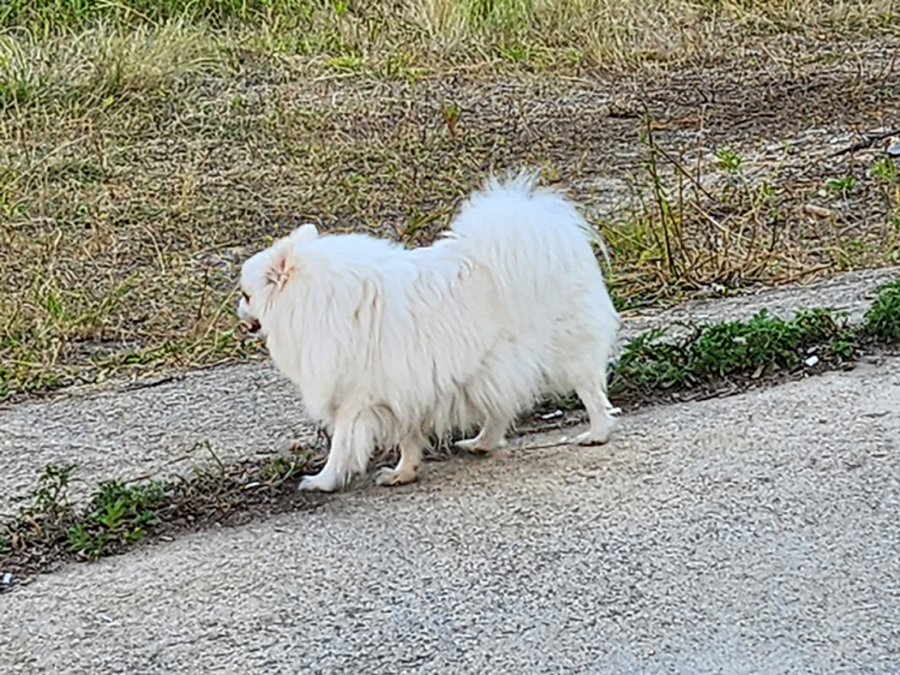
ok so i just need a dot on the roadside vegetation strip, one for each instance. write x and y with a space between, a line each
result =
51 529
117 516
650 363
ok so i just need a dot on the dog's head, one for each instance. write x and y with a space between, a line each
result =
266 273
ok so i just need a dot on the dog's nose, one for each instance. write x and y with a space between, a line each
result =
253 326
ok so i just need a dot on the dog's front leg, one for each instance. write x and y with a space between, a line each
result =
337 471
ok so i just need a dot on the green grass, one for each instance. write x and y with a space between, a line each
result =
708 353
882 320
577 31
83 13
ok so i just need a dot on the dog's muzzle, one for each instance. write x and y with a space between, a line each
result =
253 326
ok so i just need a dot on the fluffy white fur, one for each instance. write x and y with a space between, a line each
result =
388 344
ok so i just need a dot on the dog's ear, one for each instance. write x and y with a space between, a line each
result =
282 263
304 233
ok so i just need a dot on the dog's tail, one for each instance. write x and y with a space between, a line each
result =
509 213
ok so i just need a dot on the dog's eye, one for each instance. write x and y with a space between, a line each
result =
246 297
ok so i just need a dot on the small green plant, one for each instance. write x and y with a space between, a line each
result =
648 362
279 469
882 320
840 185
575 56
451 113
728 159
694 235
346 63
842 349
89 544
50 497
340 8
517 53
119 514
885 170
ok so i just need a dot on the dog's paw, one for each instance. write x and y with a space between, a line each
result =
388 476
591 438
598 436
476 446
317 483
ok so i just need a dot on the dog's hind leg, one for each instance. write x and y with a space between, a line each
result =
408 466
599 409
351 446
489 438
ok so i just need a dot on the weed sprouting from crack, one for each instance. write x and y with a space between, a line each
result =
50 497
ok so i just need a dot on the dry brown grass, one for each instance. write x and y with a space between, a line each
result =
140 163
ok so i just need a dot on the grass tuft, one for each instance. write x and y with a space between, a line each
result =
882 320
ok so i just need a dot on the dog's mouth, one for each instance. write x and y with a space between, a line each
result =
253 326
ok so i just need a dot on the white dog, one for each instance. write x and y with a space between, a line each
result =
387 344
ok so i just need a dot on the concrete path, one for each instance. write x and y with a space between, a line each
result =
754 534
